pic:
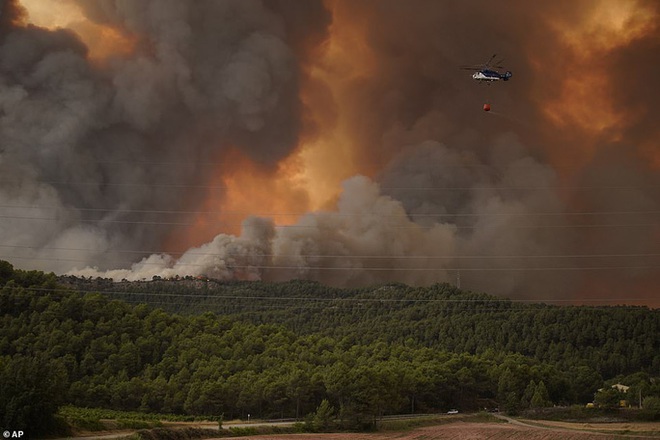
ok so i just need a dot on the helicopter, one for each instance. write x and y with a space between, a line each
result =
486 72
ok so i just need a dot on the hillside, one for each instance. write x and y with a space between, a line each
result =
404 351
611 340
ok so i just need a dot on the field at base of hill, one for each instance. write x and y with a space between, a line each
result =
476 426
496 431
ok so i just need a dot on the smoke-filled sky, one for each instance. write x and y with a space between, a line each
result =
336 141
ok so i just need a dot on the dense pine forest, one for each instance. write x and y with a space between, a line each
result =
610 340
204 347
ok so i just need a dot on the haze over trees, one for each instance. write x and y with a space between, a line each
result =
299 348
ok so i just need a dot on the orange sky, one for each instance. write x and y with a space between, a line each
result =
583 102
571 87
580 104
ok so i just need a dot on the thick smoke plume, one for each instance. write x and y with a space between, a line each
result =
92 156
554 195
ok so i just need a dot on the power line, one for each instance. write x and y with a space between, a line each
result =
539 301
333 214
281 298
388 188
184 162
320 256
298 226
232 267
262 307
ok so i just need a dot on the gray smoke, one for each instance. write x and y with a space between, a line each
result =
373 237
101 154
88 153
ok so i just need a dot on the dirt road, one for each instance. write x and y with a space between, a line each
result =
513 430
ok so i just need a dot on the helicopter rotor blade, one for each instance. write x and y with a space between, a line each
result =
498 63
491 59
492 63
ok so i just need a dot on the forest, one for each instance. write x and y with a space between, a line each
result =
296 349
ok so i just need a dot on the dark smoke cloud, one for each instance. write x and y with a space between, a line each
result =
447 182
420 95
94 149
